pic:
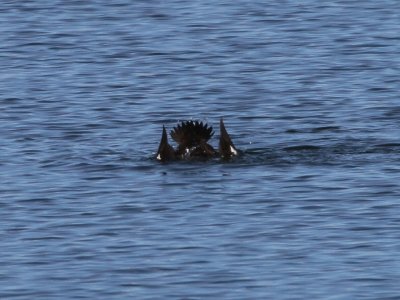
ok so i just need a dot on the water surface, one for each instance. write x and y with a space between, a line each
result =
309 91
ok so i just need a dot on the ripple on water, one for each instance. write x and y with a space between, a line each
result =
309 93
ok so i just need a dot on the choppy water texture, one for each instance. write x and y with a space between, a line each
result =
309 91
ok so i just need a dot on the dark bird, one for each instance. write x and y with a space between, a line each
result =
192 138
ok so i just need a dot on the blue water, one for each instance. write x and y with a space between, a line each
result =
309 91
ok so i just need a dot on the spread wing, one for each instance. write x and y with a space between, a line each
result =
165 151
226 147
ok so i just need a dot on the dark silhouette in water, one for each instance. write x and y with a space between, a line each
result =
192 138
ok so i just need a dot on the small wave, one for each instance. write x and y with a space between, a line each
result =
302 148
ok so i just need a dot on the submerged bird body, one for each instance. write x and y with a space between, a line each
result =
192 138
